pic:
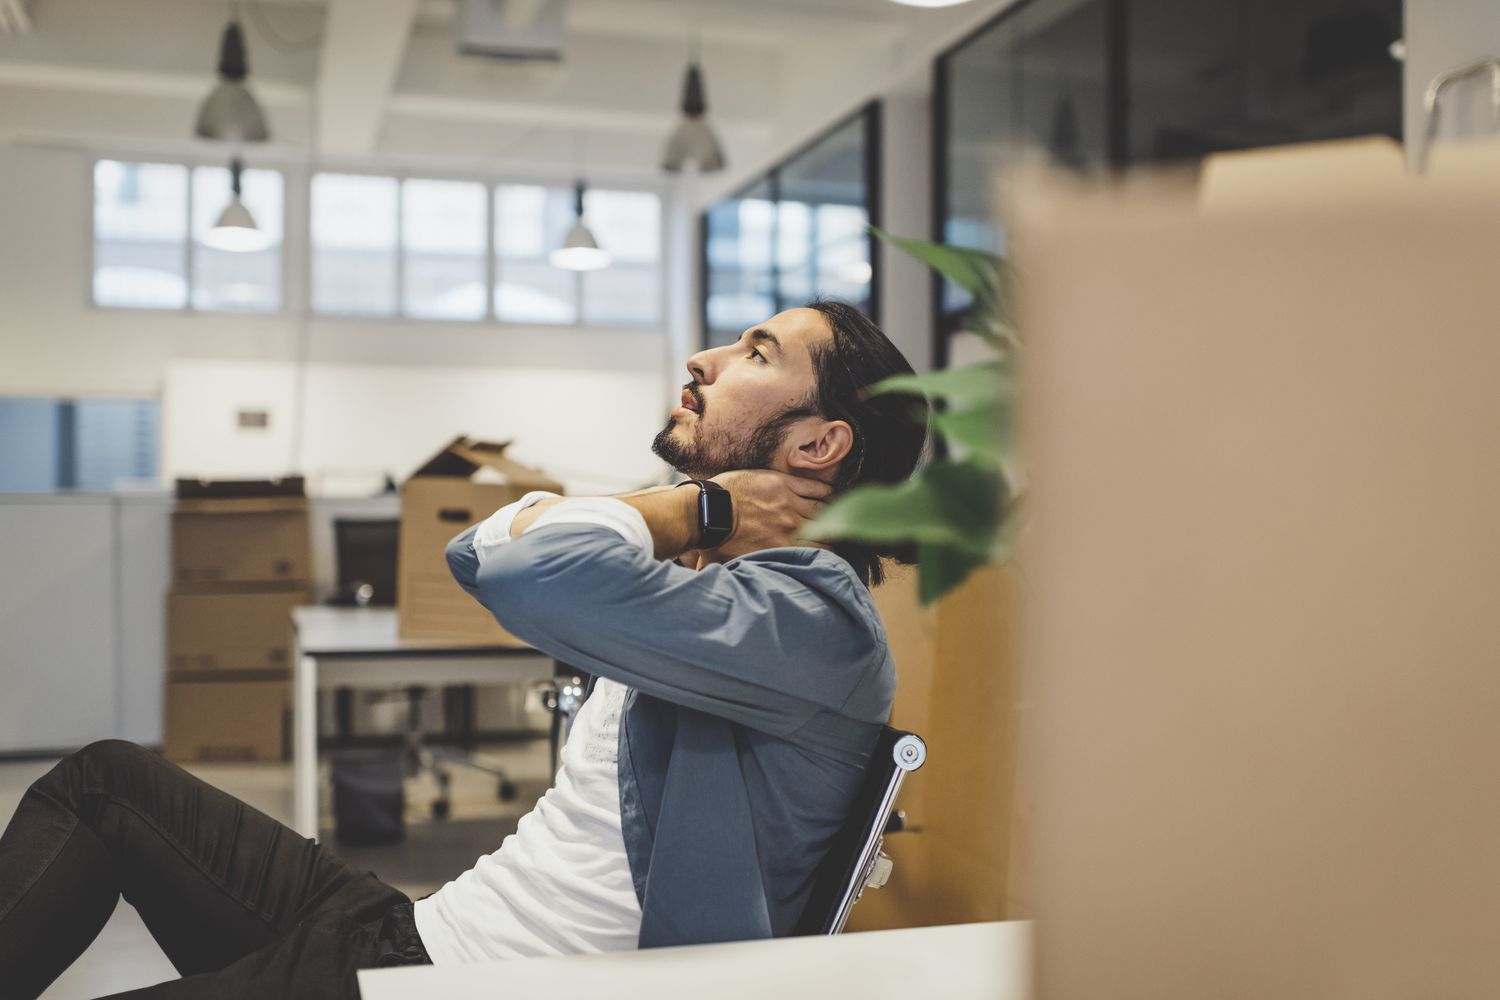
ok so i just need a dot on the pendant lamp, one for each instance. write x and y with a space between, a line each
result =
236 229
580 251
230 112
693 140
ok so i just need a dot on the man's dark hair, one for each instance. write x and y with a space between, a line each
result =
890 431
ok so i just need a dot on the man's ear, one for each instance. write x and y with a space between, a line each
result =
818 446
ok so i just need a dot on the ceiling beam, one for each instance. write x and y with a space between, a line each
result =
557 114
363 41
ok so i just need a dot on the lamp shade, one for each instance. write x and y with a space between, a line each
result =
693 140
580 251
230 112
236 230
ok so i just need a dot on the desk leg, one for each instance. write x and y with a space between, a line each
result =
305 746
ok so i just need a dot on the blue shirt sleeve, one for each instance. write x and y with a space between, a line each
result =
767 640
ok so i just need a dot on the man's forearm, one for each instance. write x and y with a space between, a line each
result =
671 514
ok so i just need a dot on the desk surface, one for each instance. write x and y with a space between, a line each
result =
325 631
989 961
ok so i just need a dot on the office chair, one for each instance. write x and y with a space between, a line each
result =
855 861
365 551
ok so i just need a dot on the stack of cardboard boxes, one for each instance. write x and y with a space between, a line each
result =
240 562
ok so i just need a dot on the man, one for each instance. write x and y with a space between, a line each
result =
743 677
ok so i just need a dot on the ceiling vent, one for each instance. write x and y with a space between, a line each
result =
513 30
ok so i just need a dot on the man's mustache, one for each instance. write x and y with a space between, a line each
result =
692 388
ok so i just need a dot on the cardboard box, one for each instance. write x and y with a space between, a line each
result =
221 719
250 532
442 498
230 630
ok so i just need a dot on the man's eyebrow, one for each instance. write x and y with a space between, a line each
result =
766 336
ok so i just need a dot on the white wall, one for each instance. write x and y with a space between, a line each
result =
590 429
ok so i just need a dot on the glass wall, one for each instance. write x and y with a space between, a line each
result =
795 233
1107 83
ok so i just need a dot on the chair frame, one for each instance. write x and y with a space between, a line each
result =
870 866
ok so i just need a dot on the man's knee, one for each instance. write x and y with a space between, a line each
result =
92 768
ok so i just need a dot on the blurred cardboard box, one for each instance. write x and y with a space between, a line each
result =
1262 421
463 483
240 532
222 719
230 630
241 560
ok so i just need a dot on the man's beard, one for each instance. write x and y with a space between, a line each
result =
697 459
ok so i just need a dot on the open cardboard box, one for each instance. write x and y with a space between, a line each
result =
450 491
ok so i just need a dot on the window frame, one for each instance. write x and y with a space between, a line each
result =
297 247
869 114
188 163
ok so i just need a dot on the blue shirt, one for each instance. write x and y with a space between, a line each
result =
759 687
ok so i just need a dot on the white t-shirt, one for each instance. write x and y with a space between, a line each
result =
561 884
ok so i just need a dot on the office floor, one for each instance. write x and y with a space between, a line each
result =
125 957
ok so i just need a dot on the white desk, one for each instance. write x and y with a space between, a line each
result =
990 961
359 647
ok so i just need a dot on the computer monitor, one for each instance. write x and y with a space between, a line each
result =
365 550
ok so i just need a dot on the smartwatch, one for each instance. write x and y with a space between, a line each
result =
715 512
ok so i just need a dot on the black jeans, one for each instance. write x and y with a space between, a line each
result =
242 906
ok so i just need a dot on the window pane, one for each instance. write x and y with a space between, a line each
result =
530 222
242 281
741 291
354 244
442 235
822 248
628 225
140 235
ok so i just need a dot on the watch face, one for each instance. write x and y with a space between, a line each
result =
716 509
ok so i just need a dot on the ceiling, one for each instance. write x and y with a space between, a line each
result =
381 80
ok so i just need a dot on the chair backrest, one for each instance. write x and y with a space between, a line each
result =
841 877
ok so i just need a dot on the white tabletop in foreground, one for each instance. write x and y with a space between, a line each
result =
989 961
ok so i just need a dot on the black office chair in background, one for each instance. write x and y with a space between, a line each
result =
855 861
365 552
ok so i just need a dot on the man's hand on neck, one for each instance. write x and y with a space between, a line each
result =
770 509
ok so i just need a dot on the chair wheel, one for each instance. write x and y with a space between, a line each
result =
507 790
441 808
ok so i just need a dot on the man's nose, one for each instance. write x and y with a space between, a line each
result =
699 369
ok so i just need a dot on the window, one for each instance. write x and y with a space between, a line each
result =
50 444
628 225
236 280
144 214
140 235
795 234
529 222
379 246
443 250
420 248
353 232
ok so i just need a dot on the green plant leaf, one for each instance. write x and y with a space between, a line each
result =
940 569
954 504
978 431
975 271
969 387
